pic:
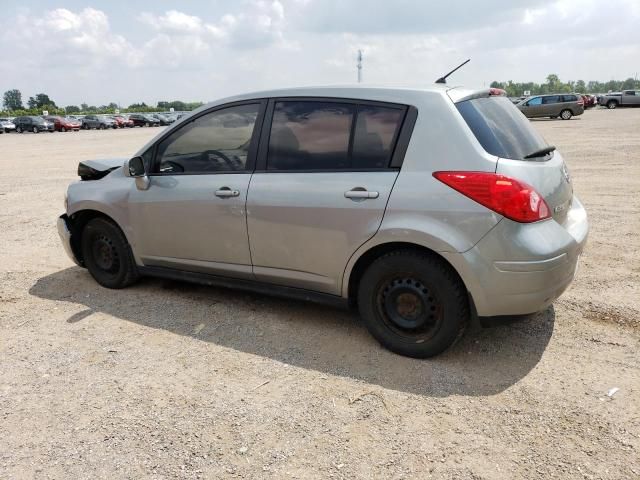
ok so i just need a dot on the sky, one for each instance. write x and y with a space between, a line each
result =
132 51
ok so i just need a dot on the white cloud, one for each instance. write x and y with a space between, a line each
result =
207 51
62 37
173 21
259 25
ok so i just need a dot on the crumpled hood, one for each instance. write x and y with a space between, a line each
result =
96 169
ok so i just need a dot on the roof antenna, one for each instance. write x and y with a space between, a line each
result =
444 78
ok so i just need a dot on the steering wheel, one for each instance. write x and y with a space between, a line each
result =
218 153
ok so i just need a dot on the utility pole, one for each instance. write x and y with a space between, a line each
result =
359 66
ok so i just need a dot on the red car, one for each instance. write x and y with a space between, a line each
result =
589 101
122 122
63 124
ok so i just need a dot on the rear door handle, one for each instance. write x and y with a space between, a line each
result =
360 193
226 192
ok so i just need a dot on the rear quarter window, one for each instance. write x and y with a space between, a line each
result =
500 127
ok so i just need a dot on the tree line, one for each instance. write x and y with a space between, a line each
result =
555 85
12 104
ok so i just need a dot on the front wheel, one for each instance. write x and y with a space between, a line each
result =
107 254
611 104
35 130
566 114
19 130
62 129
413 303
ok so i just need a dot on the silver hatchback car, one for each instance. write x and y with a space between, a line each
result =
420 208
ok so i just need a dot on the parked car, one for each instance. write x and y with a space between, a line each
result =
589 101
123 121
163 119
100 122
353 196
63 124
564 106
32 124
6 125
143 120
626 98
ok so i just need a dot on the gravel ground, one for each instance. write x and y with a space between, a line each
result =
170 380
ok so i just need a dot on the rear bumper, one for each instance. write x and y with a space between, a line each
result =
64 231
518 269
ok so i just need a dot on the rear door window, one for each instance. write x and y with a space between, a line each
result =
500 127
570 98
310 135
550 99
325 135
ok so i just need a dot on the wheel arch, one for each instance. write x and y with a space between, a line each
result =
78 220
358 266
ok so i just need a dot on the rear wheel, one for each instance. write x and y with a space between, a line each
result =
107 254
566 114
611 104
62 129
34 129
413 303
19 130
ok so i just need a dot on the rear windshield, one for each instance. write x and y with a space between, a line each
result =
500 127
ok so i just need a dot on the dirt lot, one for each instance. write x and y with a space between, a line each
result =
169 380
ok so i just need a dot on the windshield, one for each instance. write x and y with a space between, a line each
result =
500 127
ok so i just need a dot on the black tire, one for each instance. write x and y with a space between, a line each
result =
62 129
19 130
107 255
566 114
611 104
147 124
413 303
35 130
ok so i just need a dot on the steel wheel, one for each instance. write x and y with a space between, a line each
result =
413 303
409 308
105 254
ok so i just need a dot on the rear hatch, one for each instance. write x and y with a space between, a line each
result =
505 132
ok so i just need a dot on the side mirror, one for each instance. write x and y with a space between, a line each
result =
135 167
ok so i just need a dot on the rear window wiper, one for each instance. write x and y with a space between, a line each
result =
542 152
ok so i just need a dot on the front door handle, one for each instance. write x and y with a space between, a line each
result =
226 192
360 192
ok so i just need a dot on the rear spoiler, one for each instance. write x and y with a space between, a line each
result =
97 169
462 95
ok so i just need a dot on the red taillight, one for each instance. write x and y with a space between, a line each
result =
507 196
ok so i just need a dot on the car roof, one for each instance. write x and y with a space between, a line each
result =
356 92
